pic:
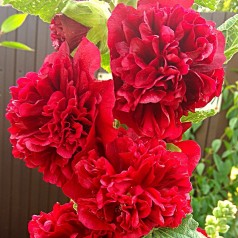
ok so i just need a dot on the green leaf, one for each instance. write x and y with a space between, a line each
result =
200 168
226 169
230 29
227 153
98 35
211 4
216 144
93 14
229 132
233 122
186 230
45 9
13 22
198 116
105 62
218 162
15 45
205 188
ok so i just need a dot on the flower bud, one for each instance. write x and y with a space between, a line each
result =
211 230
223 228
211 220
221 221
217 212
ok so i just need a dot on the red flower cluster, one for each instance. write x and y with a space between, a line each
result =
165 62
136 186
60 111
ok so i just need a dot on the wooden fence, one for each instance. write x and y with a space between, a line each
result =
22 191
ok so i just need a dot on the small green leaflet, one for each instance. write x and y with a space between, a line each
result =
45 9
186 230
13 22
198 116
15 45
230 28
200 168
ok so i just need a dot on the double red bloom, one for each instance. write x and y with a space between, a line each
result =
166 61
135 186
60 111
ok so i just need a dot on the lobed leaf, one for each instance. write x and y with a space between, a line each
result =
210 4
230 28
188 229
45 9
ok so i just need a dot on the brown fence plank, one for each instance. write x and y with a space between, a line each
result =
3 15
25 61
6 166
22 191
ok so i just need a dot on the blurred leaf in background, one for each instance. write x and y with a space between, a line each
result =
10 24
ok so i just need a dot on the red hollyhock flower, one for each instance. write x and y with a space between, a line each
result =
165 62
60 111
61 222
66 29
136 186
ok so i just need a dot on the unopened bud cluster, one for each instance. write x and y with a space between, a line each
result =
217 223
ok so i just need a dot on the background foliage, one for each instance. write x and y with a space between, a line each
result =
215 177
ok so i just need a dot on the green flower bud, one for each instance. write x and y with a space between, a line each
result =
223 228
211 220
210 230
225 211
217 212
221 221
